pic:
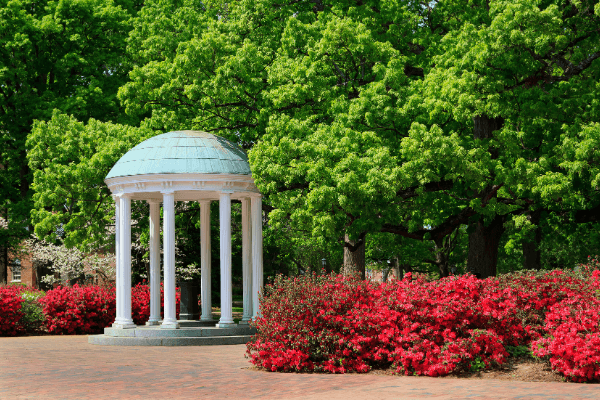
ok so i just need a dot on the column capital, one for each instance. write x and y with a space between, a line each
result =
125 195
115 197
226 191
168 191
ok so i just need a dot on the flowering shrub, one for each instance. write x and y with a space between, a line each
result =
10 310
140 303
572 343
78 309
69 310
67 263
338 324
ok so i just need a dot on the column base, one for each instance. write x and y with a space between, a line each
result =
226 325
169 325
153 323
244 322
126 325
206 319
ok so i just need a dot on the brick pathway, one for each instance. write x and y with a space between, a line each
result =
67 367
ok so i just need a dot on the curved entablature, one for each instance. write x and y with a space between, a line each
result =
187 187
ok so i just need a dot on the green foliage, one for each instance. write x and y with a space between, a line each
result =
65 55
522 351
33 315
401 121
70 160
477 365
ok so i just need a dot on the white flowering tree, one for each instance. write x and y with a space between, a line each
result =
68 264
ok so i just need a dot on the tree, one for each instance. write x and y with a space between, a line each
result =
494 79
65 55
476 147
70 265
71 160
407 118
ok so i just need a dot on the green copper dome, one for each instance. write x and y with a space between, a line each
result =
183 152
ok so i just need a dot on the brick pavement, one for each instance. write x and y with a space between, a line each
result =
67 367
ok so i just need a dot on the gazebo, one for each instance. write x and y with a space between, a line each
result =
187 166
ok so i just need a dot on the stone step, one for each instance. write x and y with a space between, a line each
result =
195 323
168 341
157 331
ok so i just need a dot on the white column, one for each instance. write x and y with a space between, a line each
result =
257 253
225 224
205 264
123 319
170 318
246 260
118 263
154 263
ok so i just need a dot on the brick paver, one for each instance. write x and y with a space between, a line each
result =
67 367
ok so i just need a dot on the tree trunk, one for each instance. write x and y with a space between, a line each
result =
484 126
484 240
483 247
404 269
354 257
385 274
3 265
532 254
395 266
441 257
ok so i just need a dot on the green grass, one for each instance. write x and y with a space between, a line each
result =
233 309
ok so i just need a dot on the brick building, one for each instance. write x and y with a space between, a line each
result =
20 269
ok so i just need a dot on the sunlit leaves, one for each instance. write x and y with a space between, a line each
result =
71 160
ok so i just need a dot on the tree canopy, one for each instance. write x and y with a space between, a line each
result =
65 55
477 120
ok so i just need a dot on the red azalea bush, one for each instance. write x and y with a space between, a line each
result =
78 309
338 324
140 303
10 310
572 343
73 310
89 309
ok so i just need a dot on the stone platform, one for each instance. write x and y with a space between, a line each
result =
191 333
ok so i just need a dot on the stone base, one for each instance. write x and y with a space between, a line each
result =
244 322
123 326
197 324
153 323
186 336
168 341
171 325
226 325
